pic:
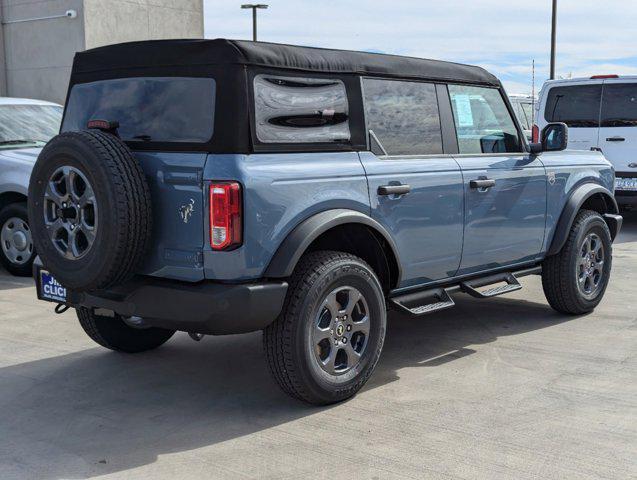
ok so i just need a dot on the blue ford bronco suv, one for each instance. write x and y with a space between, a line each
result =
220 187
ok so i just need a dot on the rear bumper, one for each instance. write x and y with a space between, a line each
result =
205 307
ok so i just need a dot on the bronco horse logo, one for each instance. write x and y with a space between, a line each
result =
185 211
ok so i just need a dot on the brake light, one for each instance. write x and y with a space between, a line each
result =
535 134
225 215
597 77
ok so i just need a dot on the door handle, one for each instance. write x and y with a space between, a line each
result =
615 139
394 189
482 183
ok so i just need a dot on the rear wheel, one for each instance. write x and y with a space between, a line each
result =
576 278
329 336
114 333
16 243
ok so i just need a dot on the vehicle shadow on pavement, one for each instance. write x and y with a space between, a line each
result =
98 412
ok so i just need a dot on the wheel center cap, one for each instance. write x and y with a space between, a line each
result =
20 240
340 329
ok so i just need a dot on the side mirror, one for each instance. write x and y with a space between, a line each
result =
554 139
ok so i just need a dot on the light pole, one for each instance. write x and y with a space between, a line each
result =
254 7
553 35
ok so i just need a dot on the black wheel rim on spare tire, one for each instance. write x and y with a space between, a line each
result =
70 212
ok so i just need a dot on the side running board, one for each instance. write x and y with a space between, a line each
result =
472 286
438 298
421 303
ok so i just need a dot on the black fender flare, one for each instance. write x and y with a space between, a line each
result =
301 237
573 205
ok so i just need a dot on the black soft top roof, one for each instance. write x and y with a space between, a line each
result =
192 53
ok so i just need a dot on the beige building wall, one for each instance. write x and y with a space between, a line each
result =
36 55
117 21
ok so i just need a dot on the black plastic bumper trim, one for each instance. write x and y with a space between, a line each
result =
205 307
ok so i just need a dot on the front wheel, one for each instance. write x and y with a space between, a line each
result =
329 336
575 279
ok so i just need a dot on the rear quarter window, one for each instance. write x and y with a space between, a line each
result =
148 109
300 110
575 105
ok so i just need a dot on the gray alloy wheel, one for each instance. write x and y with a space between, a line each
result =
70 212
17 244
340 331
590 266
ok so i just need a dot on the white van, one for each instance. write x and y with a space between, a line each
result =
601 112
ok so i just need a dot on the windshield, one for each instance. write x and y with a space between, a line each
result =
23 126
148 109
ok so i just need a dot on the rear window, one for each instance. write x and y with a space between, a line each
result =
575 105
300 110
619 105
148 109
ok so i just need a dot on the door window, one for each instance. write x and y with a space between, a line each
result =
483 122
300 110
575 105
403 116
619 105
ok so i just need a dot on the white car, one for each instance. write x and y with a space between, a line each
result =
601 112
25 127
523 106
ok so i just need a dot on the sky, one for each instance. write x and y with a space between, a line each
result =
593 37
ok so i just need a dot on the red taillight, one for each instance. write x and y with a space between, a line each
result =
225 215
598 77
535 134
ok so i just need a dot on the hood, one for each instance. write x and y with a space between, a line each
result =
20 155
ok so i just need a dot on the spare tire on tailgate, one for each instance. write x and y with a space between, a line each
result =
89 210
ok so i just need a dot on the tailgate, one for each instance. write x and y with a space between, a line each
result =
175 181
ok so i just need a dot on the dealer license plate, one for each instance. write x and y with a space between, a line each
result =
49 288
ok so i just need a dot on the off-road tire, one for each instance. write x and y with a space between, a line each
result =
285 340
113 333
16 210
124 213
559 278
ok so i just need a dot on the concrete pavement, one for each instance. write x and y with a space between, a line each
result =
504 388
